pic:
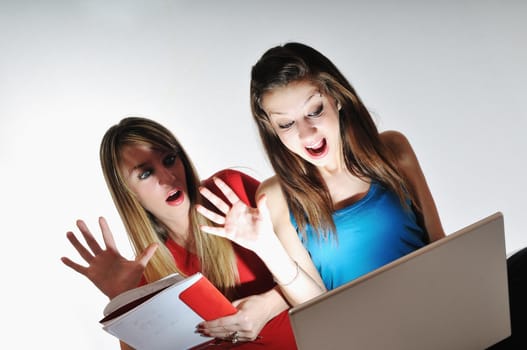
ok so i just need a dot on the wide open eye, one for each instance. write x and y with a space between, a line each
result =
170 160
145 174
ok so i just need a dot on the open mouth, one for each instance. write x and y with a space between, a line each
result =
174 197
317 149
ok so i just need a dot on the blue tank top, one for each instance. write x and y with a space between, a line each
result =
372 232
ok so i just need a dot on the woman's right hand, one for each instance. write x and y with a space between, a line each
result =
107 268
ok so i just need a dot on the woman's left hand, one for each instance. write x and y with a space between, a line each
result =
247 323
249 227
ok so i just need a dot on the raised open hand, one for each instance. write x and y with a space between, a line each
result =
246 226
107 268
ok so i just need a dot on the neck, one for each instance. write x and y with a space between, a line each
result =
335 168
185 240
345 188
179 232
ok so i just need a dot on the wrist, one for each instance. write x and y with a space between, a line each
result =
289 280
275 303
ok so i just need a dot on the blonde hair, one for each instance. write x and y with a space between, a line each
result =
215 254
364 153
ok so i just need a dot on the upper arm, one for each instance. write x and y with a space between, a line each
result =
125 346
411 171
284 229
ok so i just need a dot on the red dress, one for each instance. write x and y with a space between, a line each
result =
254 276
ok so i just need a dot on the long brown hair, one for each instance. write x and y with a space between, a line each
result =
215 254
364 153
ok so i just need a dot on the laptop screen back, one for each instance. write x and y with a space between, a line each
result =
451 294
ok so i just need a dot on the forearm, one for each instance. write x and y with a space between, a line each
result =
294 282
275 302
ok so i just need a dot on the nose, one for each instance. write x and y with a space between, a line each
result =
165 176
305 129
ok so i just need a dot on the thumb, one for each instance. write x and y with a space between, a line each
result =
147 254
261 204
238 302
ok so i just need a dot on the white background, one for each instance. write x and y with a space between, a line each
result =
451 75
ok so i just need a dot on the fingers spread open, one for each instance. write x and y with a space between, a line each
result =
215 200
147 254
88 237
214 230
227 191
107 234
85 253
261 203
79 268
209 214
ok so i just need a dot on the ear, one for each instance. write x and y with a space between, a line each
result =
339 106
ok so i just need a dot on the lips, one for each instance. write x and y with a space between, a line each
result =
318 149
175 197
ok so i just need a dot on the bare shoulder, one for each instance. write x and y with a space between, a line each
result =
398 143
270 187
275 198
409 166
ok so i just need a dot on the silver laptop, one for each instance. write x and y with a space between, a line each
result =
451 294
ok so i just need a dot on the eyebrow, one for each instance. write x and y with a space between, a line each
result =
305 103
133 169
176 152
142 165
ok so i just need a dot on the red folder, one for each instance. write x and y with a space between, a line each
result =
206 300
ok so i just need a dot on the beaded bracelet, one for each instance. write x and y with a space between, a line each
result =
293 279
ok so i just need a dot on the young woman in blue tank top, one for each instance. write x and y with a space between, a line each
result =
345 199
